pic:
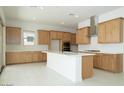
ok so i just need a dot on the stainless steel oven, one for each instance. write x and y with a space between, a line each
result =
66 46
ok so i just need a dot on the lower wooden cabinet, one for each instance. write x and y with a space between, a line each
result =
87 67
109 62
44 57
36 56
25 57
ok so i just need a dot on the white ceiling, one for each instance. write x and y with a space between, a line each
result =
55 15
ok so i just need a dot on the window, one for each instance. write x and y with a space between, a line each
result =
29 37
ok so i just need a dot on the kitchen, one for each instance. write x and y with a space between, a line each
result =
75 54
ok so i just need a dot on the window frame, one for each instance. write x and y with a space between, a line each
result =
29 32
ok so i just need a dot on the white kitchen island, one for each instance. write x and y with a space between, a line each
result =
68 64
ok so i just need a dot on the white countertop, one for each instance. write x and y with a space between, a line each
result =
69 53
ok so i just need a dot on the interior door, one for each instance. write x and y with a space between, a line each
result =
1 47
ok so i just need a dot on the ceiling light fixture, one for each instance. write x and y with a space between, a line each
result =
76 16
39 7
42 8
34 18
73 15
62 23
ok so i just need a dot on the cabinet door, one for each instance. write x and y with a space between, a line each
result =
43 37
40 57
82 36
114 31
102 33
87 67
73 38
66 37
13 35
111 31
44 57
96 60
10 58
27 57
53 35
13 58
35 56
59 35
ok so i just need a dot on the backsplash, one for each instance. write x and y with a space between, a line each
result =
119 47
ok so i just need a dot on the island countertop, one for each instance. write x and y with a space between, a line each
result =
70 53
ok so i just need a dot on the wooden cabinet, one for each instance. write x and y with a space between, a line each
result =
59 35
55 35
13 35
111 31
66 37
44 59
96 60
87 67
83 36
109 62
25 57
36 56
43 37
73 38
102 33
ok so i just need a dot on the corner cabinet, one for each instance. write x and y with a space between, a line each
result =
111 31
83 35
43 37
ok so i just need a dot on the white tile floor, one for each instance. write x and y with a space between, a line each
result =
38 74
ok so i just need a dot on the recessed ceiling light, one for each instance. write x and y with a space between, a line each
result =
42 8
76 16
34 18
62 23
73 15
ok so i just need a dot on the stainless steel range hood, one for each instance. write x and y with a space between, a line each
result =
93 25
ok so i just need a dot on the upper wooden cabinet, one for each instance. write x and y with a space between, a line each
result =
83 36
59 35
43 37
111 31
66 37
13 35
73 38
55 35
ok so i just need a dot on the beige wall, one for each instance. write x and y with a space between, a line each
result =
3 22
